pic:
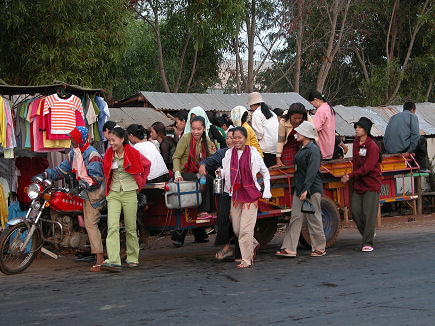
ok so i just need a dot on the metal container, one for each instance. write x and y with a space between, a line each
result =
183 194
218 185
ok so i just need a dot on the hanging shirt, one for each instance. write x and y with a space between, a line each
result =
63 116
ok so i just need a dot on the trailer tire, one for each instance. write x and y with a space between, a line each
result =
331 224
265 230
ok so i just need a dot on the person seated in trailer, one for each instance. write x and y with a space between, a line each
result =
85 164
240 116
224 228
324 121
216 134
287 145
126 171
158 170
167 145
240 167
403 135
224 122
265 125
367 177
340 148
308 187
180 124
108 125
192 148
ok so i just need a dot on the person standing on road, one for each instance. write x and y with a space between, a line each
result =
324 121
367 179
86 164
126 171
224 227
240 167
265 125
308 187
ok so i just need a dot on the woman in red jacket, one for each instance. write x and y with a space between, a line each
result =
126 172
367 178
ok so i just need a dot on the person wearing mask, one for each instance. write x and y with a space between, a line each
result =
126 171
86 165
108 125
158 170
224 228
324 121
192 148
167 144
402 135
239 116
180 124
265 125
308 187
240 167
287 145
367 181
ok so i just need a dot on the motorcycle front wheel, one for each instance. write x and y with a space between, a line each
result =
13 260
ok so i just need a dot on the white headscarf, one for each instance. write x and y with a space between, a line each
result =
198 111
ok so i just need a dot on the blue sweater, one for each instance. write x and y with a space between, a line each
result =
402 133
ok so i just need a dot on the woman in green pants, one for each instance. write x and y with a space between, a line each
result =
126 171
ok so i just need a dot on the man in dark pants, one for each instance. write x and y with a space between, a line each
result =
402 135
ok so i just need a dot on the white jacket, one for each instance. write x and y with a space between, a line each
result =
266 131
257 165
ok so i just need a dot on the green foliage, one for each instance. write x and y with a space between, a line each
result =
77 41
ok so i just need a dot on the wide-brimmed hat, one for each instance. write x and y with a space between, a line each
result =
307 129
254 98
364 123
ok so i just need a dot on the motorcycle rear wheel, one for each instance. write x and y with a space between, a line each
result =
12 259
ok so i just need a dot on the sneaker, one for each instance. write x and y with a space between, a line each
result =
367 249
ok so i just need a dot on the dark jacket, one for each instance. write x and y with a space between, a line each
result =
307 174
366 173
402 133
214 161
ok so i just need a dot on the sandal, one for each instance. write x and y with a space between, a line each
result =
318 253
222 254
110 267
95 269
243 266
367 249
132 265
284 253
255 251
203 216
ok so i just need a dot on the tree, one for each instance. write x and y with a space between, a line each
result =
77 41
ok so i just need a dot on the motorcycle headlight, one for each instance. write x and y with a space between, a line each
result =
33 191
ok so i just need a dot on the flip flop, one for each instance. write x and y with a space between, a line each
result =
110 267
284 253
243 266
367 249
223 254
255 251
132 265
318 253
95 269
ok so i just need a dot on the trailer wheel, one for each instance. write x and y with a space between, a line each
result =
331 224
265 230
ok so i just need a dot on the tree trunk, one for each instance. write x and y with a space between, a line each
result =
250 27
180 69
429 89
160 51
240 75
333 43
360 57
192 73
417 27
300 31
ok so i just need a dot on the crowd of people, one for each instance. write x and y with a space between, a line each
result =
236 147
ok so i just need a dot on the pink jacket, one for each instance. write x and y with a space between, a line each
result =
324 121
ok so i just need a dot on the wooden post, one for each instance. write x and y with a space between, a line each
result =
379 216
420 197
346 215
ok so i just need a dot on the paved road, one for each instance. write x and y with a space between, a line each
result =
395 285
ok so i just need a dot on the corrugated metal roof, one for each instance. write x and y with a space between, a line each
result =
218 102
380 117
144 116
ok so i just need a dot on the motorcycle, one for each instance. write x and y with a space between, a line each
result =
55 218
